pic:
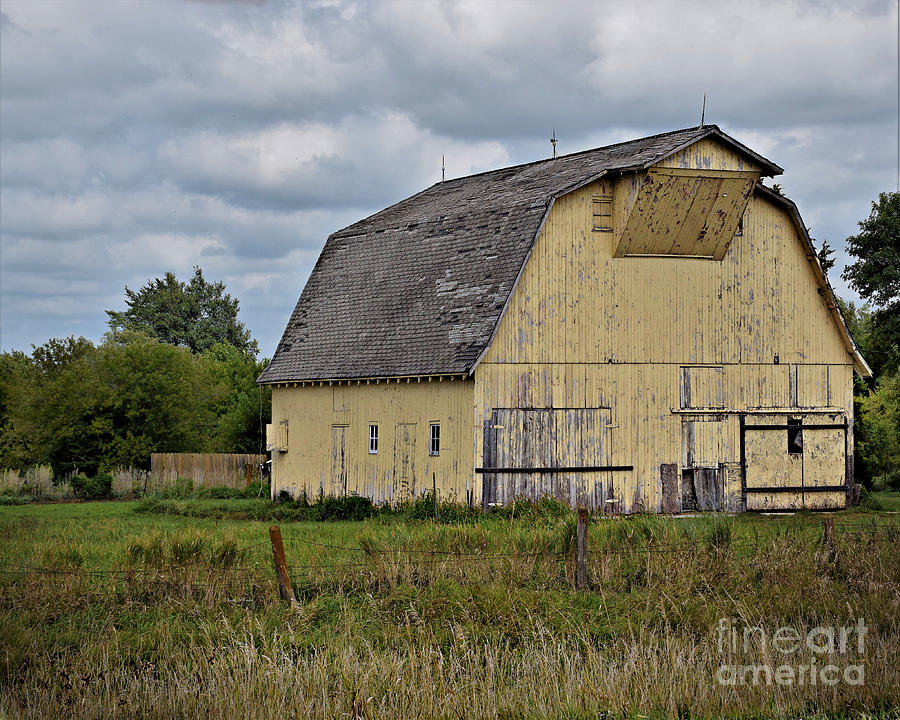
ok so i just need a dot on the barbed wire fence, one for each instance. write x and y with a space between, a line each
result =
248 583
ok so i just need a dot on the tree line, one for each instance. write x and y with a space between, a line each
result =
875 326
175 372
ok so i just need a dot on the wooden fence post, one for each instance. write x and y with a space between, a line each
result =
284 582
581 573
828 530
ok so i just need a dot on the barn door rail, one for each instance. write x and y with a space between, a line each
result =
589 468
797 488
817 426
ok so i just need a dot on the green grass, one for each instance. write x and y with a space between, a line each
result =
888 499
174 611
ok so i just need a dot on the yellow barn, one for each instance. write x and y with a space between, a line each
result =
642 327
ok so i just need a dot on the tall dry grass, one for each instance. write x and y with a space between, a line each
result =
131 482
423 620
36 481
231 671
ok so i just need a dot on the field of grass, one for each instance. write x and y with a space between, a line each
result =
171 608
888 499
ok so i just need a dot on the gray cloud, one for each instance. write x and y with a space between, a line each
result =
137 138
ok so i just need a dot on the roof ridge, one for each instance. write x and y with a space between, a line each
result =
573 154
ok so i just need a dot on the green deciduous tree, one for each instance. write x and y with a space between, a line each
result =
875 275
878 430
196 315
876 272
15 379
80 407
244 407
154 398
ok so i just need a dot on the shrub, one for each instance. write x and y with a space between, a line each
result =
870 502
348 507
220 493
421 508
253 490
79 483
95 488
878 437
180 488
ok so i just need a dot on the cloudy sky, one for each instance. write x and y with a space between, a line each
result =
143 137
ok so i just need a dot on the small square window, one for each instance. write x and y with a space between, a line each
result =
435 447
795 436
373 439
602 211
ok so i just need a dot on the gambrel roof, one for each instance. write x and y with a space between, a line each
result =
419 288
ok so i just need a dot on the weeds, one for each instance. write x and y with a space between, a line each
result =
184 547
719 533
149 614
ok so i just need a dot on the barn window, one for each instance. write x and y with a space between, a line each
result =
795 436
435 447
602 211
373 439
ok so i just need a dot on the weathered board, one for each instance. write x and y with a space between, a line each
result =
547 452
795 466
692 213
670 484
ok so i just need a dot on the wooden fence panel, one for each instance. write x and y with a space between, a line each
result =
205 469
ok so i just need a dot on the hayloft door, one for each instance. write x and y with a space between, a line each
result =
404 461
339 459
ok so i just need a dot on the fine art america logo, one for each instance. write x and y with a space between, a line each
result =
788 656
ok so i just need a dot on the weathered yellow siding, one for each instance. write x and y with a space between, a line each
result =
328 439
585 329
709 155
577 303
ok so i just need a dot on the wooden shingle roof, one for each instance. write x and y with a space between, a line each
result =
419 288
